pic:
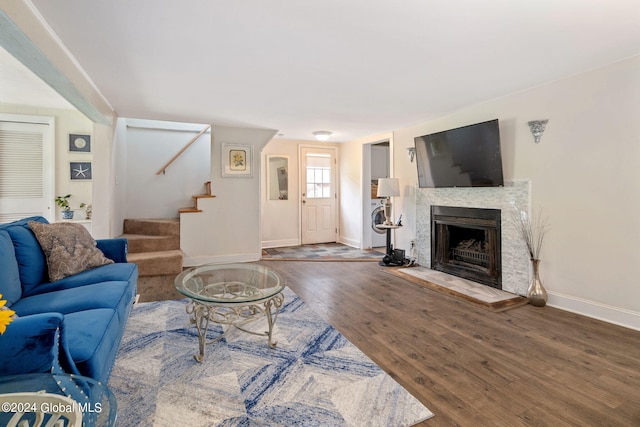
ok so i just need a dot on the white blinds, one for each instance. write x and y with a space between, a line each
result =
21 160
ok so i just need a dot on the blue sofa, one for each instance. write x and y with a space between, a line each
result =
71 325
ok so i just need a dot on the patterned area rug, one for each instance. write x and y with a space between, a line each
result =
322 252
314 377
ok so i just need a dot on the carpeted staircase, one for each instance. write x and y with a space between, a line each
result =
154 244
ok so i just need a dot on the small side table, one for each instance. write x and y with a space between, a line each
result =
389 255
80 400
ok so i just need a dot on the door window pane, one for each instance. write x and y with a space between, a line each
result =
318 176
318 182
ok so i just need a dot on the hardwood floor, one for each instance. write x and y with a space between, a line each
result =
471 367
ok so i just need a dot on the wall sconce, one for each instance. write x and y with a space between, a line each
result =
322 135
537 128
412 153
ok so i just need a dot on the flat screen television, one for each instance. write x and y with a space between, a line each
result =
468 156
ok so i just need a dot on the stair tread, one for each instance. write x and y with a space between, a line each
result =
157 263
152 226
139 256
154 219
154 245
146 236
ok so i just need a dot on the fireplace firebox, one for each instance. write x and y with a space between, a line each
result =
465 242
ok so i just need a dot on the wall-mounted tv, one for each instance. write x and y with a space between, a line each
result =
468 156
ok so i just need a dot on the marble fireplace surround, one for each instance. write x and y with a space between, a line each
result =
514 194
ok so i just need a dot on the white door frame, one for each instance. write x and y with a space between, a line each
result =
49 143
302 178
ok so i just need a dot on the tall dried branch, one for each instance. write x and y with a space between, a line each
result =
533 231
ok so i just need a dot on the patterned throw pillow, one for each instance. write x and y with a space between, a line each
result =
68 247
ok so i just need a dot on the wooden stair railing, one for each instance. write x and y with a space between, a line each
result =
179 153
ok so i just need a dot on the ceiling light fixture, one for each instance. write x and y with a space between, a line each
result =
322 135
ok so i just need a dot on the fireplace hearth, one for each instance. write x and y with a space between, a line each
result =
465 242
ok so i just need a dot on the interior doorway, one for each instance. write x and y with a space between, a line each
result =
319 195
376 164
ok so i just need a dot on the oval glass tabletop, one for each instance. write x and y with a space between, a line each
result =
229 283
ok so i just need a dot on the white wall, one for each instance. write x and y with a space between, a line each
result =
355 188
103 201
229 227
118 183
585 178
281 218
149 146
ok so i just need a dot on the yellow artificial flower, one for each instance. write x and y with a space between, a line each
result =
6 316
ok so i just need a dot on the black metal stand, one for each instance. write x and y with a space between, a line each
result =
389 260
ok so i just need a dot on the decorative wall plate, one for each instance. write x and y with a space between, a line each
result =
80 143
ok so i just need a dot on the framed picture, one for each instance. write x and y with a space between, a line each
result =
80 170
237 160
81 143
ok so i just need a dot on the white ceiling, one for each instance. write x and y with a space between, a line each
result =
353 67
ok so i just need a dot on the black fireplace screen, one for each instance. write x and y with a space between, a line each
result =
465 242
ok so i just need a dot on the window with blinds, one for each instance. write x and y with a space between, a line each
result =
21 172
26 153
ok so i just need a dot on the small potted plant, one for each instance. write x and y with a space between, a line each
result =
63 202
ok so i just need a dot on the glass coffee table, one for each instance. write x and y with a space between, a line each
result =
231 294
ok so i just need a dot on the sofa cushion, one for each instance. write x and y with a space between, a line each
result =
93 337
10 287
31 261
106 273
68 247
114 295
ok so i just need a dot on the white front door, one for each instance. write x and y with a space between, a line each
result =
26 169
319 195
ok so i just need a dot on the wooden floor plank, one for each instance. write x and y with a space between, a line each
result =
527 366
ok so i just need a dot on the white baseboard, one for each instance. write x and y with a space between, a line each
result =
266 244
606 313
349 242
220 259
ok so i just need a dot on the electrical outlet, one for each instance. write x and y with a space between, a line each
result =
413 244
